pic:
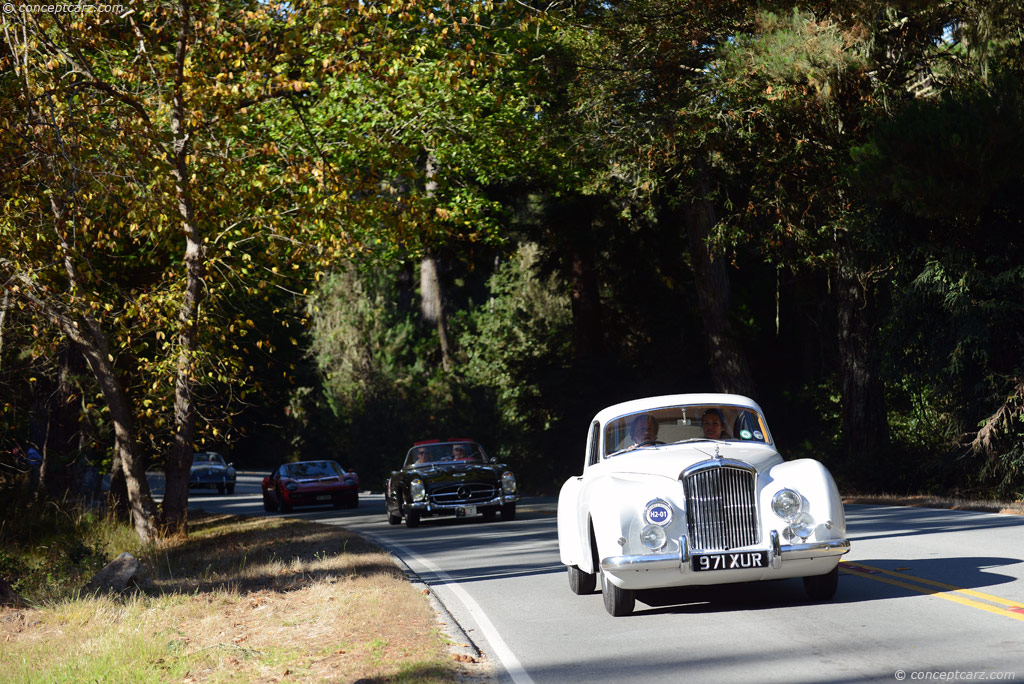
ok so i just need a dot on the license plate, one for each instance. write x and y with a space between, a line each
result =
324 497
740 560
469 510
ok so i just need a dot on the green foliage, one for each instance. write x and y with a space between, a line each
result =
364 344
518 349
378 390
52 549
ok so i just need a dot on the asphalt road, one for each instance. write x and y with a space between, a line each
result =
925 594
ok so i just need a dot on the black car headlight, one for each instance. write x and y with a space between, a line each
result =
508 482
417 492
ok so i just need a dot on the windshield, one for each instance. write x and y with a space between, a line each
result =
693 422
311 469
445 452
207 458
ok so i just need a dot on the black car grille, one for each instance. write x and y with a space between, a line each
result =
721 508
465 493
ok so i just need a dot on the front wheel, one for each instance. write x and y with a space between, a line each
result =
508 511
412 519
231 489
617 601
822 587
268 505
581 582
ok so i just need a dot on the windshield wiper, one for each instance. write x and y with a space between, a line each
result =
633 447
700 439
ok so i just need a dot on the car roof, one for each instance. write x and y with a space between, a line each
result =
667 400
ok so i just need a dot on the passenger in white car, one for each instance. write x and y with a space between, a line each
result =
714 425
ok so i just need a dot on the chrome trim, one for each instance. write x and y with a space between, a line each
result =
721 505
656 561
832 547
681 559
717 463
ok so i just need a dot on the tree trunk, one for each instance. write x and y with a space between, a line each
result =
432 306
140 502
431 292
730 371
62 430
117 496
93 342
175 504
864 416
588 336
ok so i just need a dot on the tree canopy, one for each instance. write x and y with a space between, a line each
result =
275 227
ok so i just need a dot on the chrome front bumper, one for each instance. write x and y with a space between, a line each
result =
777 553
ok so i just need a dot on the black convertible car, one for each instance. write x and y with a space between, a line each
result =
450 478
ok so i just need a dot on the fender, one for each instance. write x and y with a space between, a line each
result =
571 547
819 490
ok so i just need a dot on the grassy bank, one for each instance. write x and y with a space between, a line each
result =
242 599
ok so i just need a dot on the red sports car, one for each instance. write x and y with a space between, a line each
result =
310 483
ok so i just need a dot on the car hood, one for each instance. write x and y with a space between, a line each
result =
207 468
457 472
672 459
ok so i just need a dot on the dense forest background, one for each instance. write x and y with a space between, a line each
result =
304 230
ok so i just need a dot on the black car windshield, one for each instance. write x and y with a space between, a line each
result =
457 451
207 458
690 423
310 469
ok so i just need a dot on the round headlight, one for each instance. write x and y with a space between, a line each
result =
787 504
653 537
292 486
416 490
802 525
508 482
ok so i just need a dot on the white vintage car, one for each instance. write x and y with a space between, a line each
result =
688 489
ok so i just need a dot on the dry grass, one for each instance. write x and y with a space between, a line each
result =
927 501
242 599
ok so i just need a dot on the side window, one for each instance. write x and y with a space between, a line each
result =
593 455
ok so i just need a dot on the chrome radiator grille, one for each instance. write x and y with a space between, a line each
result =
721 508
471 493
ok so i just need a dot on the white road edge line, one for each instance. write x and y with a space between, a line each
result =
501 649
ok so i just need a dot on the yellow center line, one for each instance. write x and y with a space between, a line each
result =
853 567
